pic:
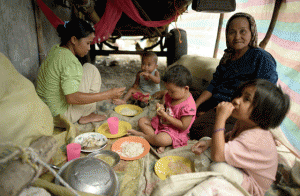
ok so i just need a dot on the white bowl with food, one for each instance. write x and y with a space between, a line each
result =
91 141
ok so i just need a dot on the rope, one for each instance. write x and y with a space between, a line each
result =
29 156
177 14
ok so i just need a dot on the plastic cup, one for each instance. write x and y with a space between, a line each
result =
113 124
73 151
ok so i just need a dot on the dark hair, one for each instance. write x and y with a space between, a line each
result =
270 103
77 27
149 54
178 75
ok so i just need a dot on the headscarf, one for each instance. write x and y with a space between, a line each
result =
253 42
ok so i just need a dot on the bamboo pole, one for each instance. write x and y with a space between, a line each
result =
218 35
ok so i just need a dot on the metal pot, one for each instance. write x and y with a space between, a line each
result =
90 175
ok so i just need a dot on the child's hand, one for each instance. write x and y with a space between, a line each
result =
160 109
200 147
155 95
224 110
159 94
145 74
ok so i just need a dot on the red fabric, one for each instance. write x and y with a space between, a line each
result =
130 10
141 97
107 23
53 19
112 14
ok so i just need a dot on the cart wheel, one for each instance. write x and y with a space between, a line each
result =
176 44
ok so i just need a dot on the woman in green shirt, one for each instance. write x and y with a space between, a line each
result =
67 87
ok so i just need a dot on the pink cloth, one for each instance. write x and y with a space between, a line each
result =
186 108
53 19
254 151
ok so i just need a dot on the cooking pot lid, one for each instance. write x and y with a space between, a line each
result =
91 175
88 169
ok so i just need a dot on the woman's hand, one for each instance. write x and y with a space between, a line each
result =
116 93
224 110
200 146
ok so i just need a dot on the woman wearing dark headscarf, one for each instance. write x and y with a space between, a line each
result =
64 84
242 61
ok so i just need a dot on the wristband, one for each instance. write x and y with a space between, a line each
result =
217 130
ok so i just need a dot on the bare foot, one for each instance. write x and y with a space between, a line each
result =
160 150
119 101
134 132
200 114
92 118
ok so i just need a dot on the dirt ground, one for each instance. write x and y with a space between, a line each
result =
120 70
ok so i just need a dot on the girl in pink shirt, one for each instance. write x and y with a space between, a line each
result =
248 152
174 118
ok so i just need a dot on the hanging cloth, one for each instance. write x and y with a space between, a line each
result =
53 19
112 14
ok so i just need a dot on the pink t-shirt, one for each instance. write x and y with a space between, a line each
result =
254 151
186 108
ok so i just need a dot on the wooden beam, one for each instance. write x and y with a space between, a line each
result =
276 10
147 17
39 30
218 35
108 52
87 7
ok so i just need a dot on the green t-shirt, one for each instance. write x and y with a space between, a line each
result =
59 75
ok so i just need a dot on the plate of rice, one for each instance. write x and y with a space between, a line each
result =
131 147
128 110
173 165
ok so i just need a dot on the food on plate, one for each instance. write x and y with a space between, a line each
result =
92 143
131 149
177 167
128 112
106 158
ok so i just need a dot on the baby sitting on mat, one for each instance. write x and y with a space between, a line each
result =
147 81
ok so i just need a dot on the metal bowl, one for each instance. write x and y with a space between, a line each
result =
90 175
112 158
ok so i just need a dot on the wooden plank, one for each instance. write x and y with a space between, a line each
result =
39 30
108 52
276 10
218 35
